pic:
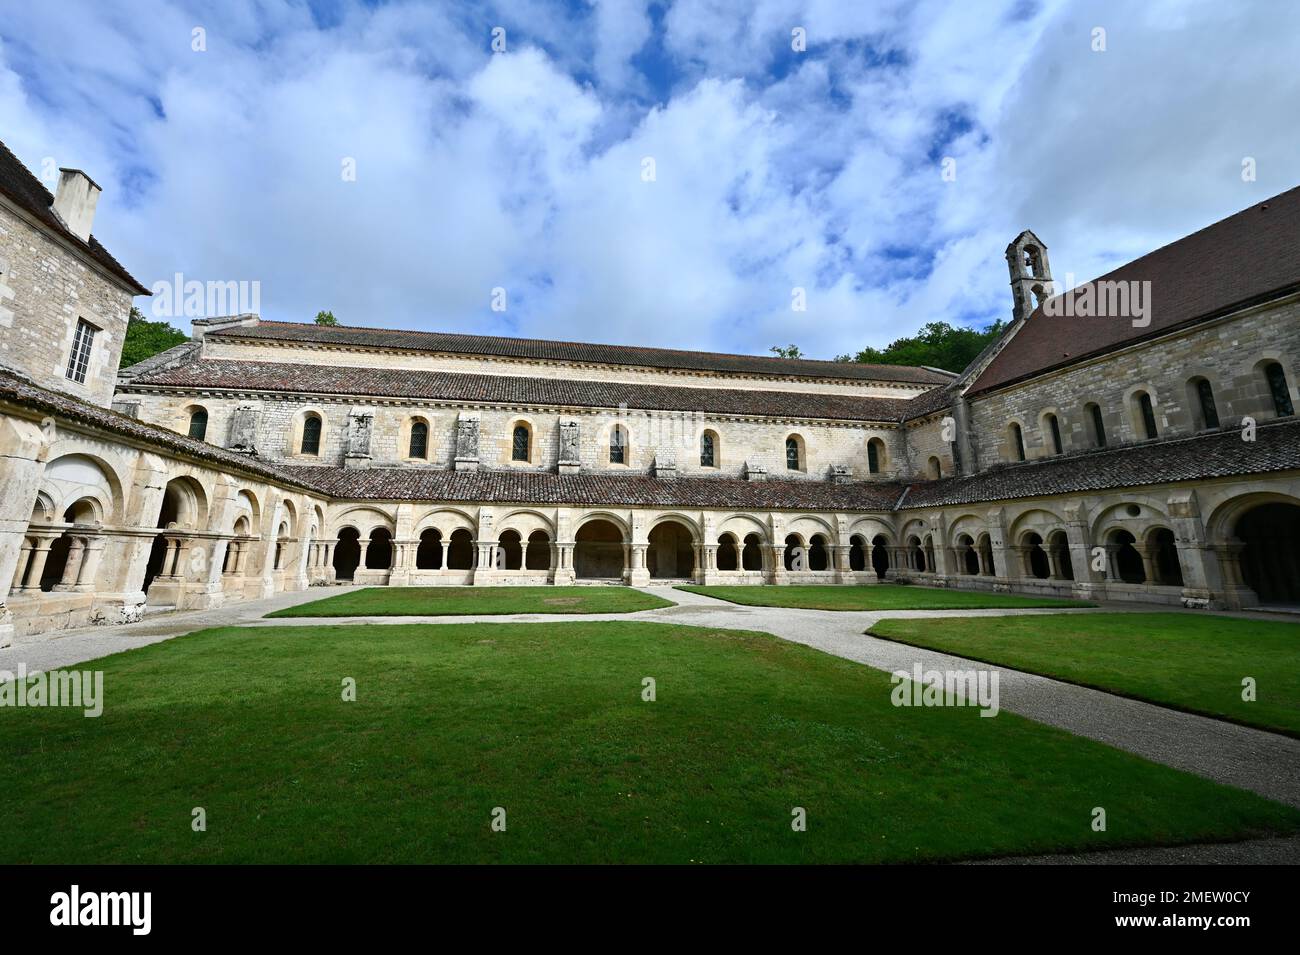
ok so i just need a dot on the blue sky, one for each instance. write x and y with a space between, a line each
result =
775 169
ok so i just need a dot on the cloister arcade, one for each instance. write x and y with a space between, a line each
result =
110 534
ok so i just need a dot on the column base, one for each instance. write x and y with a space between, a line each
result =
1197 598
111 610
638 578
1086 590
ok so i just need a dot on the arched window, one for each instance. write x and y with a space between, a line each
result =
1017 442
198 424
875 454
708 451
793 459
1054 431
311 435
1098 425
936 469
1207 416
521 442
618 445
1278 390
1147 415
419 439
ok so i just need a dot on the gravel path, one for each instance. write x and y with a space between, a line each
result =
1256 760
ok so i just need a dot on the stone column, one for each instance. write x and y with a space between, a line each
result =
1148 554
564 571
40 555
89 570
840 556
72 566
1204 583
710 568
778 564
1079 539
20 571
23 446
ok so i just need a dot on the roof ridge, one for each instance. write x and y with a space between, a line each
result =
826 363
236 374
41 206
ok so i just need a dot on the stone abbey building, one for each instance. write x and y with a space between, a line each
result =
1132 439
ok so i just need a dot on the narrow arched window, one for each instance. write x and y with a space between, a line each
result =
198 424
618 446
1205 397
1278 390
419 439
936 469
873 456
707 459
1098 426
792 454
1148 415
1054 428
519 449
1018 442
311 435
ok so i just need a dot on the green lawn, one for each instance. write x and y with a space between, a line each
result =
1186 661
436 601
873 597
547 721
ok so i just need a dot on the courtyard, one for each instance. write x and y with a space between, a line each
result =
753 714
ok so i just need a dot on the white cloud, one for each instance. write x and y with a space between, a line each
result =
774 170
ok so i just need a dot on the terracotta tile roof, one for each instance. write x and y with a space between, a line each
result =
585 353
1246 258
630 490
26 191
927 403
1196 458
215 373
21 391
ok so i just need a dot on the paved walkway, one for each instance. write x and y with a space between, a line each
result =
1256 760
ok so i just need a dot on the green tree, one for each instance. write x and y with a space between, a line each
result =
145 339
786 351
937 344
326 318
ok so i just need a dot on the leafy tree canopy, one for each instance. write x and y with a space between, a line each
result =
145 339
937 344
326 318
786 351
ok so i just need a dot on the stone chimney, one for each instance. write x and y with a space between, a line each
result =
75 201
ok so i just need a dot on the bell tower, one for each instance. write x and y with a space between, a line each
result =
1031 274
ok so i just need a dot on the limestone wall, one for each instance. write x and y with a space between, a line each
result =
44 289
738 440
1228 353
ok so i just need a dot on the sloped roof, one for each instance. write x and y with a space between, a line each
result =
580 352
630 490
240 375
1247 258
18 389
26 191
1200 457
